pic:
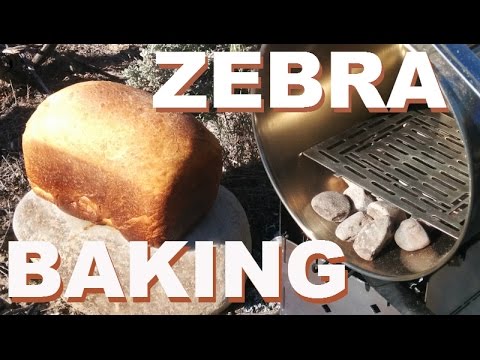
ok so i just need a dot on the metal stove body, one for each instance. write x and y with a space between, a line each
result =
425 163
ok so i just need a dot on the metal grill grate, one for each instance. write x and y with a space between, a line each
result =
414 160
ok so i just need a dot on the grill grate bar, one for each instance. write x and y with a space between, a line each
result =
414 160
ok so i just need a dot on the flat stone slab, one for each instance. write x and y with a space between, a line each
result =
38 220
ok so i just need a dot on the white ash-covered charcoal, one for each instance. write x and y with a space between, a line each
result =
373 237
348 229
360 198
381 208
411 235
331 206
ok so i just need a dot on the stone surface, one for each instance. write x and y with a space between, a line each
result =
411 235
381 208
331 206
359 197
348 229
373 237
39 220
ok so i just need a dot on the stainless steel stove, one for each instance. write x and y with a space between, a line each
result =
427 164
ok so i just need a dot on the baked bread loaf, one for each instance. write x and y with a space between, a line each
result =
100 152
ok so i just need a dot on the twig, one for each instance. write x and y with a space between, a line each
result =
17 311
94 68
33 309
13 92
14 50
3 270
32 71
43 54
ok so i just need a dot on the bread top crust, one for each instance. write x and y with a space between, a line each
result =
116 127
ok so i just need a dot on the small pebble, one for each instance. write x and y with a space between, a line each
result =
411 235
373 237
359 197
351 226
331 206
381 208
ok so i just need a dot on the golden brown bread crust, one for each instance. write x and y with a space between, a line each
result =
101 152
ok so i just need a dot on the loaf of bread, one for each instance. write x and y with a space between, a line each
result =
100 152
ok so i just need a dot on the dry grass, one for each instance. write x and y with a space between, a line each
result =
251 186
16 106
235 133
13 185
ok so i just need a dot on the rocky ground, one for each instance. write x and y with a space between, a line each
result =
19 97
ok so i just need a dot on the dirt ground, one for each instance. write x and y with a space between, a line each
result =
19 97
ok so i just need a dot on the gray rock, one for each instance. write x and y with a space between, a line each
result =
38 220
381 208
359 197
411 235
373 237
331 205
351 226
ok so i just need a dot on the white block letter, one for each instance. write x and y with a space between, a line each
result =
170 96
21 271
282 80
239 261
145 272
94 254
225 80
342 80
335 288
205 271
404 92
